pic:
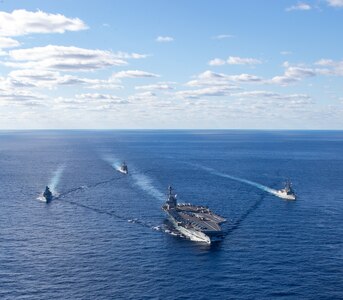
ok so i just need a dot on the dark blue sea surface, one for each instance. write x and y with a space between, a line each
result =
104 235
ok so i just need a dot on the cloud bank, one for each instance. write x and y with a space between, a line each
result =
23 22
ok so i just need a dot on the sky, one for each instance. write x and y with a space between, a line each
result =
161 64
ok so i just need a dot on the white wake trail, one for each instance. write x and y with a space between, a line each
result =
56 179
145 183
252 183
113 161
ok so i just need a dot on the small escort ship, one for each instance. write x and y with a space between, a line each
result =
47 194
287 192
197 223
123 168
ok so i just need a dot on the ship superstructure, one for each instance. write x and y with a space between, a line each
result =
197 223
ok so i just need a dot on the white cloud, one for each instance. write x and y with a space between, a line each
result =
299 72
236 60
44 79
296 73
245 78
23 22
222 36
102 97
21 97
124 55
299 6
6 42
253 94
217 62
273 105
211 75
204 82
283 80
332 67
40 78
143 97
285 52
133 74
325 62
293 74
204 92
63 58
300 98
212 90
161 86
104 84
164 39
335 3
74 80
33 78
209 78
89 102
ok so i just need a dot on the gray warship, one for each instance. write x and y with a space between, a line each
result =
197 223
47 194
287 192
123 168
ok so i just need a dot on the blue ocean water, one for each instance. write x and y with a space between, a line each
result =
103 237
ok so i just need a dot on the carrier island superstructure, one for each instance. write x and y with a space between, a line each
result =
197 223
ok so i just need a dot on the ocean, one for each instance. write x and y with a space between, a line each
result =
104 236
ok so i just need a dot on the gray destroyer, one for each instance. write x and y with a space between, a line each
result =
287 192
47 194
197 223
123 168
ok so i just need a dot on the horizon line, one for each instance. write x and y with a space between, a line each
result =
166 129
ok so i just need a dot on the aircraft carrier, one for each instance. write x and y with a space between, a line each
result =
197 223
